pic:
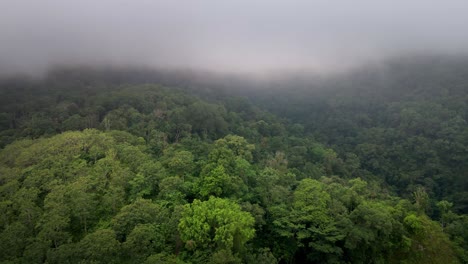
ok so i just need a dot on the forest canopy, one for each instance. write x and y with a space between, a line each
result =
369 167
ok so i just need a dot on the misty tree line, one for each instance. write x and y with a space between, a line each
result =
94 171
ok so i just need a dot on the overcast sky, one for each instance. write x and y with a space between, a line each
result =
222 35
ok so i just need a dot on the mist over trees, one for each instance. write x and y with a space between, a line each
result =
247 131
134 165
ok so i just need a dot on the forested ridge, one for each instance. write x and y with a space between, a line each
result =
128 166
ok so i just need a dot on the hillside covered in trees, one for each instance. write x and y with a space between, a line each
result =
122 166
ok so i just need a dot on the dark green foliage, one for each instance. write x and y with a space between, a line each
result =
92 171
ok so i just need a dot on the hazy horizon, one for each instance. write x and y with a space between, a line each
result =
225 36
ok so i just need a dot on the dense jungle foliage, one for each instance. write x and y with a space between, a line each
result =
125 167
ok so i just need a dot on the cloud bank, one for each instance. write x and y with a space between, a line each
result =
221 35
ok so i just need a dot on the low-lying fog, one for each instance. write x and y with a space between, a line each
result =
241 36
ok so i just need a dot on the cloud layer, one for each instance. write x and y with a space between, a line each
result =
222 35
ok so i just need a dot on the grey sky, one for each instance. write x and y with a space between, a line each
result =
236 35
